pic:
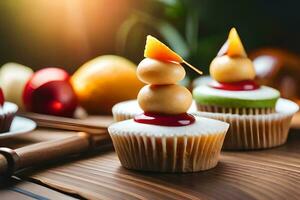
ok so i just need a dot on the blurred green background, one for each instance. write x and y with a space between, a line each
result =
67 33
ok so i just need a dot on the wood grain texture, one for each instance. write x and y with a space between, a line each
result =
36 136
22 190
90 124
51 150
267 174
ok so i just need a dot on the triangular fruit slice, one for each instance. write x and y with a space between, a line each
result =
233 46
157 50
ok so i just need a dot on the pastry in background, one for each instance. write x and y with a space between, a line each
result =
258 118
7 113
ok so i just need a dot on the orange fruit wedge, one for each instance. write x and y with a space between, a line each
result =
233 47
157 50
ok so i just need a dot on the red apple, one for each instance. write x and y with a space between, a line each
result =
49 91
1 97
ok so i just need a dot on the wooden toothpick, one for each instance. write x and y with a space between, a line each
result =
192 67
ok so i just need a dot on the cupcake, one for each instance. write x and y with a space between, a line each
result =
7 113
128 109
164 138
258 117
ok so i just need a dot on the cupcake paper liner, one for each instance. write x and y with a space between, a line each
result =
259 131
168 152
7 114
240 111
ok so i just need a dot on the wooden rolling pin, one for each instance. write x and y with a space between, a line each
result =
12 161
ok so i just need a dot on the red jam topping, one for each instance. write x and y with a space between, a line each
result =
236 86
165 120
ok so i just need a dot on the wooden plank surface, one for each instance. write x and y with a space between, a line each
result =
22 190
16 189
39 135
267 174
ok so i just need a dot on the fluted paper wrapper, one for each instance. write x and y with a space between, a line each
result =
7 114
241 111
191 148
259 131
168 154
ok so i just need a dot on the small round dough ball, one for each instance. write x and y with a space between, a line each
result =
232 69
165 99
157 72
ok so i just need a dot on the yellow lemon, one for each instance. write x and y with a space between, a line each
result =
105 81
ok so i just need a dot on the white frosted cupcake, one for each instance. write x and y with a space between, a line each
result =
128 109
163 137
190 148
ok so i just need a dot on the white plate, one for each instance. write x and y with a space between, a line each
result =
19 126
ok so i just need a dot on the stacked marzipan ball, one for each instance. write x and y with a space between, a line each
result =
162 147
162 95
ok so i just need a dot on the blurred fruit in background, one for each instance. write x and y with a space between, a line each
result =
65 33
49 91
280 69
105 81
13 77
1 97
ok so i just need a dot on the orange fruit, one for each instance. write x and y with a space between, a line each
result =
157 50
105 81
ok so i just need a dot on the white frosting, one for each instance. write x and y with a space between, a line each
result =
262 93
202 126
132 107
286 106
263 65
8 107
202 80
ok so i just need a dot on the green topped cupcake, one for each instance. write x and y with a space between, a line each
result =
257 117
259 101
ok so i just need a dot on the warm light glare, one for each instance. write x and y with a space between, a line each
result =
65 31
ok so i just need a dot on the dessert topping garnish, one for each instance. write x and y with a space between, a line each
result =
232 69
164 102
157 50
165 120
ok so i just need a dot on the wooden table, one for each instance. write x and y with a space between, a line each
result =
267 174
